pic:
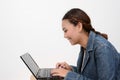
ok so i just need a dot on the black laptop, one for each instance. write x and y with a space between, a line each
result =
39 73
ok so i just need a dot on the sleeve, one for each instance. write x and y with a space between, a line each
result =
75 76
105 61
74 68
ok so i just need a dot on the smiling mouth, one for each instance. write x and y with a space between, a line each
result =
70 39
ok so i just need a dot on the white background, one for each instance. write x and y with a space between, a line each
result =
34 26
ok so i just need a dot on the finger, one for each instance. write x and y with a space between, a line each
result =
54 74
54 71
63 65
58 65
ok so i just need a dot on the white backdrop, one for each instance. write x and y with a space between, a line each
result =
34 26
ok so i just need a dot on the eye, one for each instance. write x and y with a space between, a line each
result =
65 30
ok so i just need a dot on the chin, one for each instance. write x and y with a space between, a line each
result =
73 43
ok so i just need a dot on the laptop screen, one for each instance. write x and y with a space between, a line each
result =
31 64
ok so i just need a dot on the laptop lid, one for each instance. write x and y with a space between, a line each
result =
30 63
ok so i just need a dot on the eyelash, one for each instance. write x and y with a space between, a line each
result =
65 31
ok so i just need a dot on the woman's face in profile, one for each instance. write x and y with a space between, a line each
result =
71 32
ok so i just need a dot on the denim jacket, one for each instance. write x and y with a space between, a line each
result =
102 61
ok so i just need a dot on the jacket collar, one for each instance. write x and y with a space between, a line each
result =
90 41
88 48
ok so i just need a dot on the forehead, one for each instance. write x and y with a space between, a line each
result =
66 23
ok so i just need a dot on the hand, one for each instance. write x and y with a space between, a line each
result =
61 72
63 65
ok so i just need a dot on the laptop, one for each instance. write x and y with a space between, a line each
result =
39 73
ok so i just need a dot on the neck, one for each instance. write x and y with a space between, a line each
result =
84 39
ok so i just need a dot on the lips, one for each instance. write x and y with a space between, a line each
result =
70 40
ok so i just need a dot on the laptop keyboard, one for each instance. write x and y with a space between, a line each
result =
44 73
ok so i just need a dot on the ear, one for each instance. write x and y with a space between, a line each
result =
79 26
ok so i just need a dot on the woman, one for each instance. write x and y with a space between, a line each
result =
98 58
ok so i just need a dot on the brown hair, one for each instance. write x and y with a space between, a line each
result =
76 15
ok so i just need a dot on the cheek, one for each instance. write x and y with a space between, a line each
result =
73 33
76 36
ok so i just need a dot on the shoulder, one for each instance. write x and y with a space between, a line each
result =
97 43
100 42
103 48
